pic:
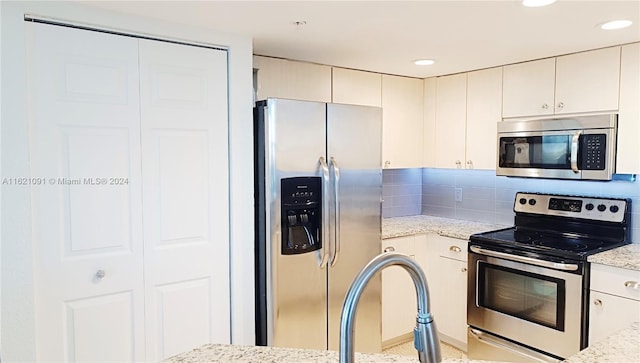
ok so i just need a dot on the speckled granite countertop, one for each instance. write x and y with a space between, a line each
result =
456 228
625 257
219 353
621 347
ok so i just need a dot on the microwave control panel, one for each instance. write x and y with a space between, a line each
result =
593 151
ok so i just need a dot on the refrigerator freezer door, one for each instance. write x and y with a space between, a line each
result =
354 139
295 135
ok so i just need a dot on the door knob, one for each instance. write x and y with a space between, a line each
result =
100 274
561 105
597 302
545 106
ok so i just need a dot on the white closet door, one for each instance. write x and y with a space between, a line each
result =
185 196
87 213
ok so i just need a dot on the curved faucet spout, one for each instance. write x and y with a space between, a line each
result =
425 333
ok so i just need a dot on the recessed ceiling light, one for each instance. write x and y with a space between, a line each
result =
424 62
537 3
616 24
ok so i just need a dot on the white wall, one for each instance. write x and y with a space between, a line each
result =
16 284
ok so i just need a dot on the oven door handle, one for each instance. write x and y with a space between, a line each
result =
529 260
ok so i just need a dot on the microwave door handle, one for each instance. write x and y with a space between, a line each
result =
575 143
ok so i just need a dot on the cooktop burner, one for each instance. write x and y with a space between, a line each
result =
562 226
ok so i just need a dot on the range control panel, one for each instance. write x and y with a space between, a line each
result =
594 208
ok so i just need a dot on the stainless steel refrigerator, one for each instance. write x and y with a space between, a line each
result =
318 208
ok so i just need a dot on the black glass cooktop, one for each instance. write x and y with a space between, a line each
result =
545 242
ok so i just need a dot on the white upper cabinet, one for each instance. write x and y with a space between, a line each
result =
529 88
462 122
628 156
357 87
575 83
429 140
588 81
402 129
290 79
451 113
484 111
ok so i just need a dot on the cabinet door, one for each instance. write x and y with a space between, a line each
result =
588 81
451 107
290 79
446 272
529 88
484 111
450 304
628 157
610 313
399 304
402 122
429 139
356 87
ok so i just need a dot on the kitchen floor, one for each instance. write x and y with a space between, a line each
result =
448 351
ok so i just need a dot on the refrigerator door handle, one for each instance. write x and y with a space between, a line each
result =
336 190
323 255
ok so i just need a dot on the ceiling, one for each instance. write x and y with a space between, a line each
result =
387 36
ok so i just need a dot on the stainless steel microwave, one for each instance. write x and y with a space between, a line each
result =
581 147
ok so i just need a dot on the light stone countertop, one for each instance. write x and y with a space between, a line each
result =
625 257
621 347
411 225
219 353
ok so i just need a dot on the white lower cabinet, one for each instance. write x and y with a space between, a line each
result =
444 260
614 300
399 305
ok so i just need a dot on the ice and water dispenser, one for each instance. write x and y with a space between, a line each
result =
301 207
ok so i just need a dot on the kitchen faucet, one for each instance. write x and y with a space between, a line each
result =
425 334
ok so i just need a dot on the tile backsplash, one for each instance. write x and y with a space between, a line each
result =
401 192
485 196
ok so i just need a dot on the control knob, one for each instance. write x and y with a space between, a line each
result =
532 201
523 201
589 206
602 207
614 209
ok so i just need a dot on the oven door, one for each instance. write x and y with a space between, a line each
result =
536 306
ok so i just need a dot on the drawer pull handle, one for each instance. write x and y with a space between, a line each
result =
597 302
389 249
455 249
632 285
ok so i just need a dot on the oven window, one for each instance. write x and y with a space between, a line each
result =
543 152
532 297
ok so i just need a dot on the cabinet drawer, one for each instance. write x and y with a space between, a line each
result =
452 248
616 281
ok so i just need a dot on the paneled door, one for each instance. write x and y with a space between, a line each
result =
185 196
129 168
86 195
